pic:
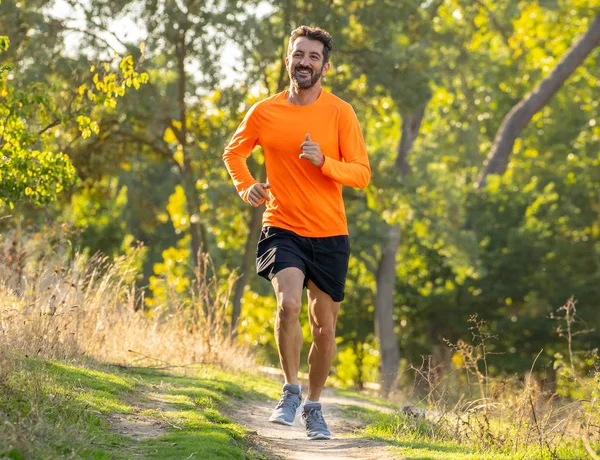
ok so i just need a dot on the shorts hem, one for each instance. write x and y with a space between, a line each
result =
270 274
326 291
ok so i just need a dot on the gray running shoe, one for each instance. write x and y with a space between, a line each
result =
316 428
289 405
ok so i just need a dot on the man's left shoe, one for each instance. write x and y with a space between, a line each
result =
312 417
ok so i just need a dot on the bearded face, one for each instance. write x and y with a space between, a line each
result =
305 63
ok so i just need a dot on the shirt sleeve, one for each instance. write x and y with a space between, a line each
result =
354 170
239 149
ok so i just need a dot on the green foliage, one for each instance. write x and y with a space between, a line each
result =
517 250
356 365
257 321
34 176
28 172
107 86
96 213
511 253
171 280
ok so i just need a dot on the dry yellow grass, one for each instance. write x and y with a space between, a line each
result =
92 307
517 416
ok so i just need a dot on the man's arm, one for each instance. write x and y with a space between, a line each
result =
354 171
239 149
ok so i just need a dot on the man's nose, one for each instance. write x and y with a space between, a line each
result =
305 61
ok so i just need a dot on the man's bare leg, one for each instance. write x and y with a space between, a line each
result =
288 285
322 314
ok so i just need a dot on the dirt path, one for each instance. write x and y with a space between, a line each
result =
291 443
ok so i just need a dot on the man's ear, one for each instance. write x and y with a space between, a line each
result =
287 62
326 68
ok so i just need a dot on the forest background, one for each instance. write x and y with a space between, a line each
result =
114 116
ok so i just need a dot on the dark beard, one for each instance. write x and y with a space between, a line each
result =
304 82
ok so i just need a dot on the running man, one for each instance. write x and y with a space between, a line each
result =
313 145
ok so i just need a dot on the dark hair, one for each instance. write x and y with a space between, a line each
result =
313 33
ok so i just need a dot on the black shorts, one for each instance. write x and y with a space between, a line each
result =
324 261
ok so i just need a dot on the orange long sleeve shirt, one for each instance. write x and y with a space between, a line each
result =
303 198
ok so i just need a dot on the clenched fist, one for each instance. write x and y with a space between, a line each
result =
258 193
312 152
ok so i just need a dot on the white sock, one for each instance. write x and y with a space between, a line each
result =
308 401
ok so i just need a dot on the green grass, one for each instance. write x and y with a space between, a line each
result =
367 398
42 417
420 439
51 409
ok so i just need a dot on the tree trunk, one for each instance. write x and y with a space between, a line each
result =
389 353
520 115
359 352
247 266
386 271
197 235
438 364
411 123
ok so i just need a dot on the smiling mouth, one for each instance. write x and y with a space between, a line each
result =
304 72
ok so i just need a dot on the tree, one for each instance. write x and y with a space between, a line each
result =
29 171
520 115
394 58
32 171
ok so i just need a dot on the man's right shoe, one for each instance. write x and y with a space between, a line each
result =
289 405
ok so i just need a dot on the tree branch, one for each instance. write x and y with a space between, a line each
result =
176 131
143 141
494 20
411 124
95 36
520 115
369 264
50 126
88 18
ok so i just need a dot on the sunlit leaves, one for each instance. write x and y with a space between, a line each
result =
34 176
30 170
171 277
108 84
4 68
530 236
257 320
169 136
96 211
87 126
178 211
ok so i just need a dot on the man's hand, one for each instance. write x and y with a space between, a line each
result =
312 152
258 193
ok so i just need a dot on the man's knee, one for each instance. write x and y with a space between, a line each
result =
288 308
323 335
